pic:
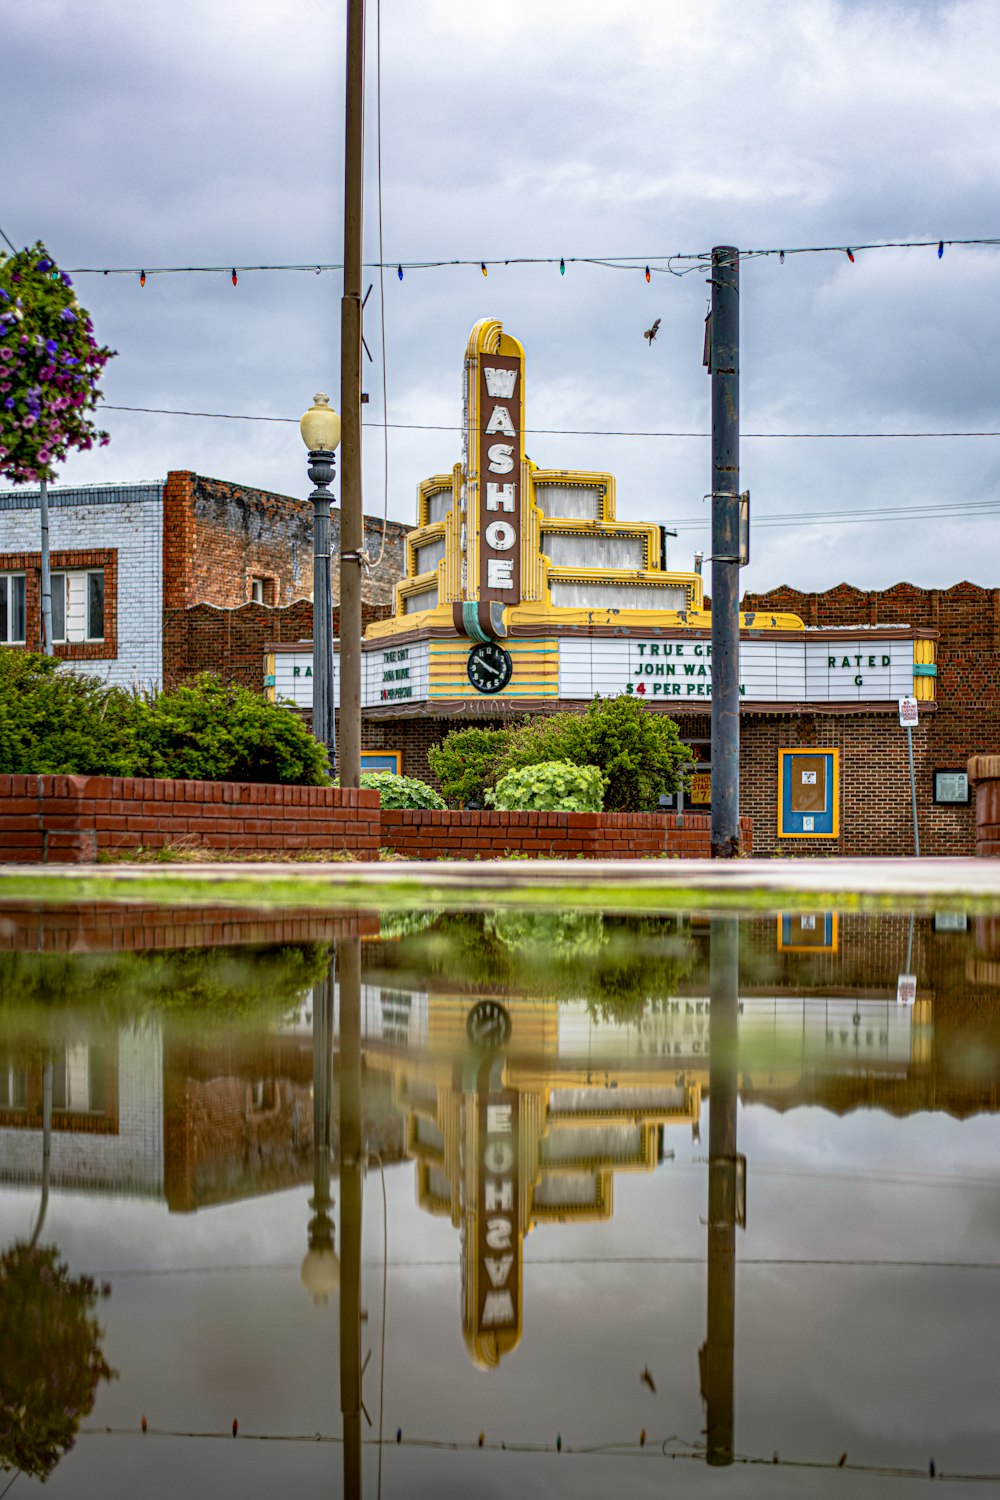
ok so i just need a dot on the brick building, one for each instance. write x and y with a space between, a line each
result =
524 593
152 582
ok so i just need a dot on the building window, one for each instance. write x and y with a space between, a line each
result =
78 606
12 608
257 590
58 606
95 606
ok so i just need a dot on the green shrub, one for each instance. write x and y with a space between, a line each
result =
60 723
401 791
466 762
551 786
639 752
209 730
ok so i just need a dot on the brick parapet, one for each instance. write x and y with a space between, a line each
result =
70 819
486 834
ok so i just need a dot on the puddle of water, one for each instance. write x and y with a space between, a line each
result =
556 1202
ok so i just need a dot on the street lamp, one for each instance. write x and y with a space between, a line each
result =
320 428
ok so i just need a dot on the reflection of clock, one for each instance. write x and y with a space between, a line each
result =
488 1024
489 667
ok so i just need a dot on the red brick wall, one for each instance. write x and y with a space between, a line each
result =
875 810
67 819
217 536
232 642
492 835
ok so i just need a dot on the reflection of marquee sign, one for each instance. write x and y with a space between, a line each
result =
497 1285
492 491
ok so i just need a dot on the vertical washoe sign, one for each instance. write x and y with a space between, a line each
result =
491 500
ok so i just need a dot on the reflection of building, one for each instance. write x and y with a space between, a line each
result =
507 1140
107 1112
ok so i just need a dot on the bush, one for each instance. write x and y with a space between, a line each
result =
466 762
551 786
639 752
401 791
208 730
60 723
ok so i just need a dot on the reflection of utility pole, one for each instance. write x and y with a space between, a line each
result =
350 1211
725 1206
321 1269
46 1150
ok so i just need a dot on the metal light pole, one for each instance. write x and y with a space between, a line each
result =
351 1196
352 512
320 428
48 646
725 372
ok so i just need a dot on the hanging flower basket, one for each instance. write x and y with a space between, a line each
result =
50 365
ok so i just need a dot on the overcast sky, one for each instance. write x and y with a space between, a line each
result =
186 134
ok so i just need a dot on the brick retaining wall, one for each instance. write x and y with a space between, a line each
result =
68 819
491 835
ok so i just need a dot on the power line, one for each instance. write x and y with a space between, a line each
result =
229 416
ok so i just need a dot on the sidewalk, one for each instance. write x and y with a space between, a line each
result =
923 879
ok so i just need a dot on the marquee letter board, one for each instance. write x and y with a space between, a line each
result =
808 793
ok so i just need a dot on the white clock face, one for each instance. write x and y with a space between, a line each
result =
489 667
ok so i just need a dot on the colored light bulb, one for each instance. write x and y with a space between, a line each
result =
482 267
940 248
399 272
562 267
235 277
142 278
647 274
850 256
781 258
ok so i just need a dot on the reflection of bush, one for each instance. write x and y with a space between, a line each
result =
616 964
51 1361
399 924
557 933
207 985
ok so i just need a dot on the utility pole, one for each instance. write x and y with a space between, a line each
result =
47 644
351 505
725 373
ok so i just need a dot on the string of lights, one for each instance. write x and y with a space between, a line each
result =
675 263
672 1447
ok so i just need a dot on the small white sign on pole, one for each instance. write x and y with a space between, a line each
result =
906 989
907 712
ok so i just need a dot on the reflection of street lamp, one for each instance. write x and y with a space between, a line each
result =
320 428
320 1274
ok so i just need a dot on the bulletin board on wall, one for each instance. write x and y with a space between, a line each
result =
809 793
382 760
807 932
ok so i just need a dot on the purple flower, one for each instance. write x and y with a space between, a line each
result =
51 346
28 422
4 296
68 315
9 404
66 281
6 354
44 265
44 456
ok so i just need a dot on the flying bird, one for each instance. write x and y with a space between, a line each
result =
651 333
646 1376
